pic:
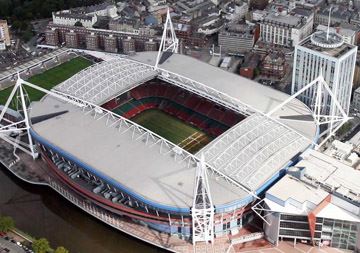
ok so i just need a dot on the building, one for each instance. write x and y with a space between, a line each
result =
196 9
150 45
128 45
92 37
238 37
236 10
52 37
70 19
249 68
92 41
286 29
84 16
339 14
4 35
335 58
356 99
318 202
258 4
110 44
274 65
72 39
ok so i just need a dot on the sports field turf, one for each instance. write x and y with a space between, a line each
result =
50 78
173 129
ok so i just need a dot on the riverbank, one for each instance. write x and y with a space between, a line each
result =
41 212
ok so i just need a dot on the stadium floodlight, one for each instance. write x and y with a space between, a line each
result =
169 41
203 210
334 119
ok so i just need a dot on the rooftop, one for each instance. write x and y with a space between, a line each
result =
331 173
333 46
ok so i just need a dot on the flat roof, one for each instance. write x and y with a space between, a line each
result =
138 167
292 188
336 52
332 173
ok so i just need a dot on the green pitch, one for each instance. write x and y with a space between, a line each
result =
185 135
50 78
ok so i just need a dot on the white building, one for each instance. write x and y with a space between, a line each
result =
70 19
286 29
337 61
318 202
356 99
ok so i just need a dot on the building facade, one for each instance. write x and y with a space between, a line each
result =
335 59
238 37
274 65
96 39
356 99
286 29
4 35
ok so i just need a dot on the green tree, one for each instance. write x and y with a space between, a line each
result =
6 223
41 246
61 250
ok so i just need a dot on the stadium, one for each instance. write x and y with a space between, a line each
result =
130 137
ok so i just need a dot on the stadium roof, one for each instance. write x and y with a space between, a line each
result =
124 158
250 153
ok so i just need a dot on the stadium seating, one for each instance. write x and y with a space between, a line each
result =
198 111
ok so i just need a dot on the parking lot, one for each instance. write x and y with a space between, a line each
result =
8 246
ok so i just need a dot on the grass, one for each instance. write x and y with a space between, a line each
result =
50 78
171 128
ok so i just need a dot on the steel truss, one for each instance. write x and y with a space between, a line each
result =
334 120
169 41
261 210
249 151
203 210
99 82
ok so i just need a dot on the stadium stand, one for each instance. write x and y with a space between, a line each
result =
156 94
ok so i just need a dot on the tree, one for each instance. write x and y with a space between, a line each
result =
41 246
6 223
61 250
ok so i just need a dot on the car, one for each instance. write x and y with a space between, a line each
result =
7 238
13 241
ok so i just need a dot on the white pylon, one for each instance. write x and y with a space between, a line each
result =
22 125
334 119
203 210
169 41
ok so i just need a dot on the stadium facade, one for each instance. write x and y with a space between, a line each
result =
130 171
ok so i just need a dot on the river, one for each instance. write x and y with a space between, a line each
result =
41 212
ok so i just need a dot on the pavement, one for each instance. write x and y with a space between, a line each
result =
289 247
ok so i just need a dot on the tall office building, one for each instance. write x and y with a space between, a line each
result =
336 59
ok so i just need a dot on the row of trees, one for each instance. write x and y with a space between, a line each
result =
6 223
43 246
39 246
